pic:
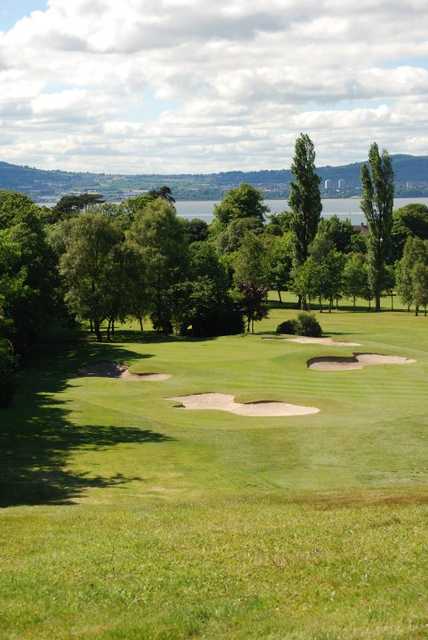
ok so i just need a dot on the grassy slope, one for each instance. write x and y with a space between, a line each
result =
148 521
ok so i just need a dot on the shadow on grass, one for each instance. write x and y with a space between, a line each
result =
343 306
37 438
135 336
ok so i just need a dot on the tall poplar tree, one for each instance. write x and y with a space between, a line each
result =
377 203
304 199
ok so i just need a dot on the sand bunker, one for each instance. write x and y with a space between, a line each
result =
357 361
329 342
224 402
106 369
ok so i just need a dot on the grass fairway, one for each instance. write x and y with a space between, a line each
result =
126 518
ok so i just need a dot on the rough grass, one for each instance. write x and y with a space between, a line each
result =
126 518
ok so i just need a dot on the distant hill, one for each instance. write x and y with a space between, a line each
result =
411 175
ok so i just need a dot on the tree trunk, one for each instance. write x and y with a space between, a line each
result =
320 304
416 310
91 326
140 320
354 303
377 306
279 296
113 328
392 302
330 305
108 330
97 331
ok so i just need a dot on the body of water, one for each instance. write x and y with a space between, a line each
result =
340 207
343 207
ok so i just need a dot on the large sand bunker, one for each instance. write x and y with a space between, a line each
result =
357 361
105 369
224 402
328 342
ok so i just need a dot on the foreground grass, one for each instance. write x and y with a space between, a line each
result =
125 517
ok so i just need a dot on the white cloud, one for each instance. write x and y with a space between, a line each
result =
186 85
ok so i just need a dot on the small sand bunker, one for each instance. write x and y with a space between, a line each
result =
224 402
328 342
105 369
357 361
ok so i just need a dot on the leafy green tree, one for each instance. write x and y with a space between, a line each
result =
243 202
420 286
28 275
306 280
195 230
158 234
403 277
201 309
250 278
359 243
377 203
329 268
201 306
75 203
355 277
229 240
340 232
304 198
88 267
409 275
180 306
164 193
136 204
15 208
280 261
411 220
390 282
204 261
279 223
135 282
331 277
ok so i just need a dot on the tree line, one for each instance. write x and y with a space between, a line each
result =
86 260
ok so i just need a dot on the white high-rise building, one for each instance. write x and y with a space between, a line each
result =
328 184
341 184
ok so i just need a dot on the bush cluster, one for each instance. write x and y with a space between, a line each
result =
304 325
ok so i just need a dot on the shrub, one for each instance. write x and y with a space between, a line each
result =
308 325
305 325
7 374
289 326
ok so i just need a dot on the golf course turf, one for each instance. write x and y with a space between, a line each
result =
124 518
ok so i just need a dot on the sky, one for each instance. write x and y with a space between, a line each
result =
194 86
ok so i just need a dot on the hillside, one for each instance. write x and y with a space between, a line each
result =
411 173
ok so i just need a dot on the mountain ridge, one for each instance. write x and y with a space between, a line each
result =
411 177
